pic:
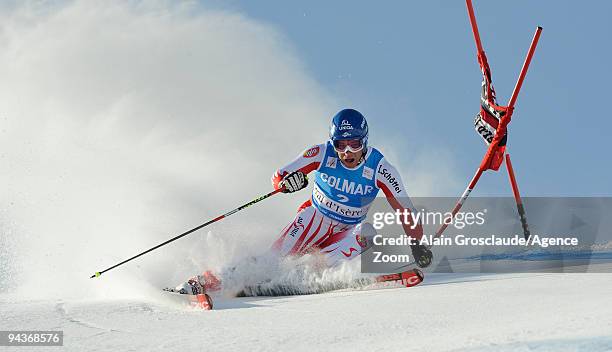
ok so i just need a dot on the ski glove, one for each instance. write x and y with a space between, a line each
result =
422 255
294 182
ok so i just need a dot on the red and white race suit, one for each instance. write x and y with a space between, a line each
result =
312 231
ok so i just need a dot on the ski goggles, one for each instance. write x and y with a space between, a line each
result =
353 145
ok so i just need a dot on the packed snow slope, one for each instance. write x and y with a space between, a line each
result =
450 312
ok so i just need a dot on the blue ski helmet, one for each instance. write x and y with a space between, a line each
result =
349 124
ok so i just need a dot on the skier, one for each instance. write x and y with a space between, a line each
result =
348 175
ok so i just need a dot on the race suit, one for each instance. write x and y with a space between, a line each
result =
330 222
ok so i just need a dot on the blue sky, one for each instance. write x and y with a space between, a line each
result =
411 68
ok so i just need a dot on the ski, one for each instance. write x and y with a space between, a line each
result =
199 301
407 278
203 301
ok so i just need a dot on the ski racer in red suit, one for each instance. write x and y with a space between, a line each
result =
348 175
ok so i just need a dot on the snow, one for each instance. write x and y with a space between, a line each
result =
450 312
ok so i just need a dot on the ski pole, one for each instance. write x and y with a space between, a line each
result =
257 200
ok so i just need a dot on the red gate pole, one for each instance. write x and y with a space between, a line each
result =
517 197
519 82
